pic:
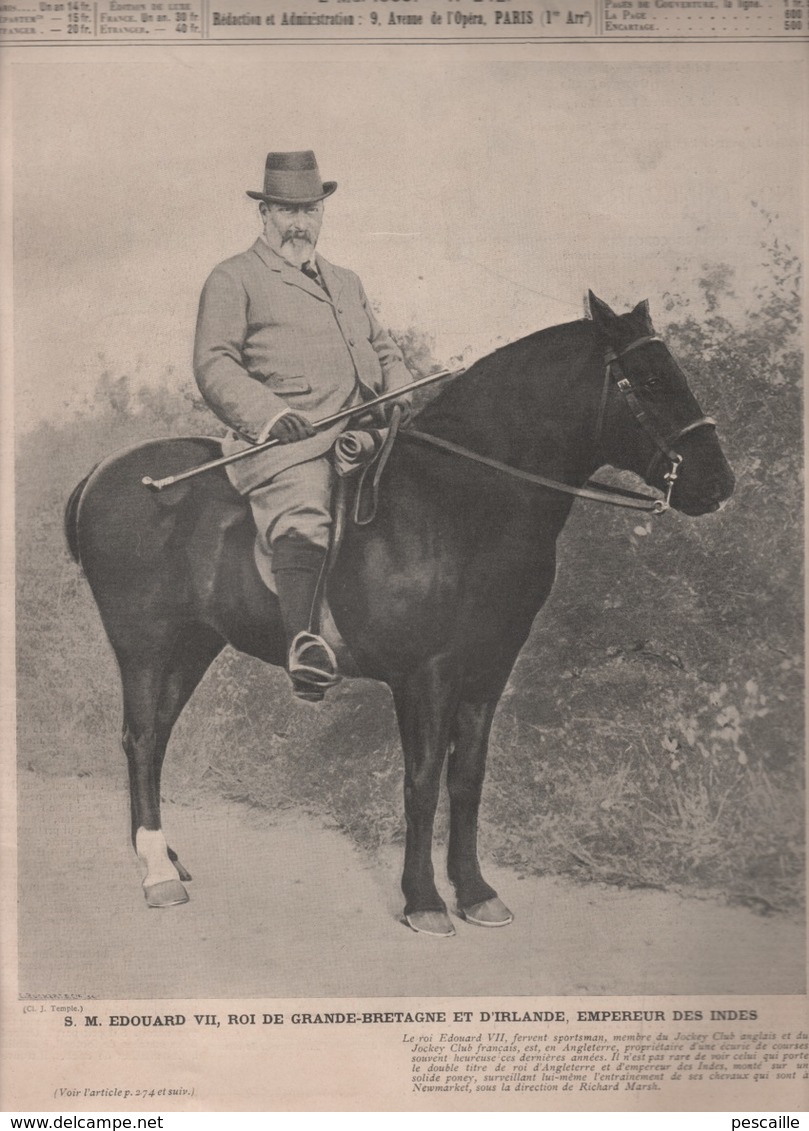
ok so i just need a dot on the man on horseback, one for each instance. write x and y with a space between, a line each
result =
284 338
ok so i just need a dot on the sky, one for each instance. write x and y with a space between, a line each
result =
478 201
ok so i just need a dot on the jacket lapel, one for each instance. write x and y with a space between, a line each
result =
293 276
330 277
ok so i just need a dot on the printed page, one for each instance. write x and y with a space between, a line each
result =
540 847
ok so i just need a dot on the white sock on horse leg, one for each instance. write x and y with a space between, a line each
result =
152 850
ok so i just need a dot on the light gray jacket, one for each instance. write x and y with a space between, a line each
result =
269 338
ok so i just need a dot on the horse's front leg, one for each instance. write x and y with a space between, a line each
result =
477 900
425 706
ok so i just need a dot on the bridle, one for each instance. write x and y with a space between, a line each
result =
614 374
599 492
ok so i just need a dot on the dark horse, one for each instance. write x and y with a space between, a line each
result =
435 598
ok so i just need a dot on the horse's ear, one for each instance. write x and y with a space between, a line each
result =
603 316
642 311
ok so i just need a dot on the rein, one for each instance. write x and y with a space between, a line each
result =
598 492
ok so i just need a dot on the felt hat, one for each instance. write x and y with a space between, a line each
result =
293 178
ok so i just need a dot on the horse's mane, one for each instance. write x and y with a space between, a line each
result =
545 356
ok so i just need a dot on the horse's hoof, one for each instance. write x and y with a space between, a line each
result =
435 923
491 913
168 893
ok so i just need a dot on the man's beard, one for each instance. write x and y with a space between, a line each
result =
296 245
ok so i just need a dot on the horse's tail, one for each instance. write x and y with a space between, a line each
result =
71 514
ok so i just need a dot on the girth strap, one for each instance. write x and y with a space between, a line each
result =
363 513
366 498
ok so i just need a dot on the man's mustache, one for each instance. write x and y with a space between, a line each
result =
296 234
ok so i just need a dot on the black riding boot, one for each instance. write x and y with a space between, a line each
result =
297 566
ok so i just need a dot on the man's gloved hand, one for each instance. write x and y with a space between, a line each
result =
290 427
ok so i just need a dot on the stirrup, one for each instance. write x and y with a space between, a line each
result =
309 681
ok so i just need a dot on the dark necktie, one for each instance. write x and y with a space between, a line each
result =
311 272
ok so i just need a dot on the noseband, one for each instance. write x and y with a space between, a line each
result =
613 373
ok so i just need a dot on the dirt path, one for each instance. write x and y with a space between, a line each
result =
283 907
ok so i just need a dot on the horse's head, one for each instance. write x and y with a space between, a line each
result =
649 421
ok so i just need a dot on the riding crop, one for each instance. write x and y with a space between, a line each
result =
326 422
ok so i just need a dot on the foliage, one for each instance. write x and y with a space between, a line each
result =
652 729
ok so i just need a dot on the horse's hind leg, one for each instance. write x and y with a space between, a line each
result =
477 900
156 688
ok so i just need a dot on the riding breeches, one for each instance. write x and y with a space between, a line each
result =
296 502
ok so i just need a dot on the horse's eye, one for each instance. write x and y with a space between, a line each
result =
653 382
